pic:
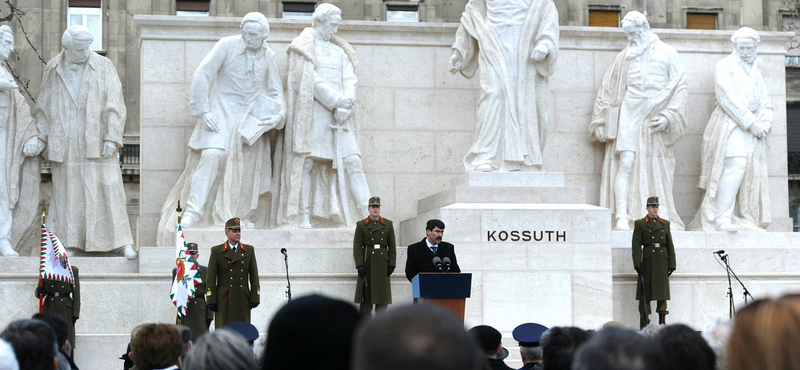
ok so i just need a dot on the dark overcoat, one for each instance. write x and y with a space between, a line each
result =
656 262
66 307
196 312
376 261
420 258
232 283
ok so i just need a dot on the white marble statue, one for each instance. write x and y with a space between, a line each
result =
515 43
322 172
80 115
734 157
640 112
19 176
237 95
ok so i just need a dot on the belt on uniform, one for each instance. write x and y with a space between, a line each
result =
654 245
58 295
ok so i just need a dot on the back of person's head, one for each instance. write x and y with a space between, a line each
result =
416 337
312 322
34 344
651 330
560 345
716 334
685 348
618 349
8 360
221 349
765 335
157 346
58 324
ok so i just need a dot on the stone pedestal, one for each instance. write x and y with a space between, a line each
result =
533 255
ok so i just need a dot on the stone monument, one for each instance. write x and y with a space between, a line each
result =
80 115
237 95
512 41
322 166
734 156
19 176
640 112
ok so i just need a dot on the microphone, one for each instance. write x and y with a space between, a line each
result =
720 252
446 262
438 263
283 251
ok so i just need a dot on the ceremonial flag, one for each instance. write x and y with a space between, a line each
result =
186 276
53 260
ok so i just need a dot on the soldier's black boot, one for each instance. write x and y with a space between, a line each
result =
661 318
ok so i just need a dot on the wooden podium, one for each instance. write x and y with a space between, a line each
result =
448 290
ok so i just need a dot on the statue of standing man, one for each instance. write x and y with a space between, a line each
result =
80 115
640 112
237 96
322 165
515 43
19 176
734 161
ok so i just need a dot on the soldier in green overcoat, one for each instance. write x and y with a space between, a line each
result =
64 299
198 317
654 259
375 254
230 266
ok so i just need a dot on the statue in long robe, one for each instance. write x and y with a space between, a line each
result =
515 44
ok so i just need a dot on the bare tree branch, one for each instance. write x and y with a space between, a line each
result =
18 14
20 83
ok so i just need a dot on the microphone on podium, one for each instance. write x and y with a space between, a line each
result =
446 262
438 263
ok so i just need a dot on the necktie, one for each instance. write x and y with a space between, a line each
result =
434 248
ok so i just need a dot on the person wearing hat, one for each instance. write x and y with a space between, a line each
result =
232 287
653 260
198 317
490 342
529 335
375 255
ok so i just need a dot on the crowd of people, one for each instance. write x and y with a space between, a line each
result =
315 331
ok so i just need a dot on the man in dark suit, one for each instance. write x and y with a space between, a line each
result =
198 317
421 254
654 260
230 265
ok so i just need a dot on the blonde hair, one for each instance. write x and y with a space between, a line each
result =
765 335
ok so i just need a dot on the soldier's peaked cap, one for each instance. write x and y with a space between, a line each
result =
528 334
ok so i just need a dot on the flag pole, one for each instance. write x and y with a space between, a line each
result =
41 280
179 318
179 210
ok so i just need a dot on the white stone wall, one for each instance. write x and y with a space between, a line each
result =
418 120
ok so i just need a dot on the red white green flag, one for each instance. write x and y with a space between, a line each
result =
53 260
186 276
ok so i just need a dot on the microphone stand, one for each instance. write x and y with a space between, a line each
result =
731 306
288 282
745 292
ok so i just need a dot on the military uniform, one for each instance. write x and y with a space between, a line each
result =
374 248
227 285
653 250
65 300
197 316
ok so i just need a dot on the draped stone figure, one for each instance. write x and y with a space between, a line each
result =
237 96
640 113
80 115
322 172
19 176
513 41
734 156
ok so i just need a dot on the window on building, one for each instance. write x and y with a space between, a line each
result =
192 7
298 10
87 13
402 13
791 23
701 21
603 18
